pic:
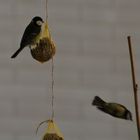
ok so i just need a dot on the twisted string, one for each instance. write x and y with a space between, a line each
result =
52 74
46 9
52 88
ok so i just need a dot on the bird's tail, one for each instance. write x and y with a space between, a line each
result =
17 52
98 102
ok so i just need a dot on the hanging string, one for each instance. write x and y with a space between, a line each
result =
52 73
46 9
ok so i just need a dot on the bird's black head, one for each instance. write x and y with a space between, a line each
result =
128 115
38 21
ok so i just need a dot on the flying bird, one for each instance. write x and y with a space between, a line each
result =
114 109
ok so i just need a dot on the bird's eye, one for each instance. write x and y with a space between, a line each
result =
39 23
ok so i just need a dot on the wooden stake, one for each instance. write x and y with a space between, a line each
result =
135 86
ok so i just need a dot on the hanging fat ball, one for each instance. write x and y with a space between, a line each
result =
114 109
30 35
44 49
52 131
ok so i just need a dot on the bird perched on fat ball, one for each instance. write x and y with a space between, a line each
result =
37 37
114 109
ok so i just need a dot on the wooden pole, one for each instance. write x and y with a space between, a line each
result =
135 86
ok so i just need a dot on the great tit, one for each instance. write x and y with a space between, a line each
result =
30 35
114 109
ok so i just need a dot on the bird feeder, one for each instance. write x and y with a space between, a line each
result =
52 131
45 48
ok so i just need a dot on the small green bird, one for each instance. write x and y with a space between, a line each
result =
30 34
114 109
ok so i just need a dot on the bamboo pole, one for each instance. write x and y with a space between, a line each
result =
135 86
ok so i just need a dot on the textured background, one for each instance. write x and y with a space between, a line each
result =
92 59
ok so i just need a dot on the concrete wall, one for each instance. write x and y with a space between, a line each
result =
92 59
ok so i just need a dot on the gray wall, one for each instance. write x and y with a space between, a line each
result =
92 59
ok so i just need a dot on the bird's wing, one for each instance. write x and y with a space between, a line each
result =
103 109
29 35
117 106
117 109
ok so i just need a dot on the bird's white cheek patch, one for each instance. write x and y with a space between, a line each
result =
39 23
